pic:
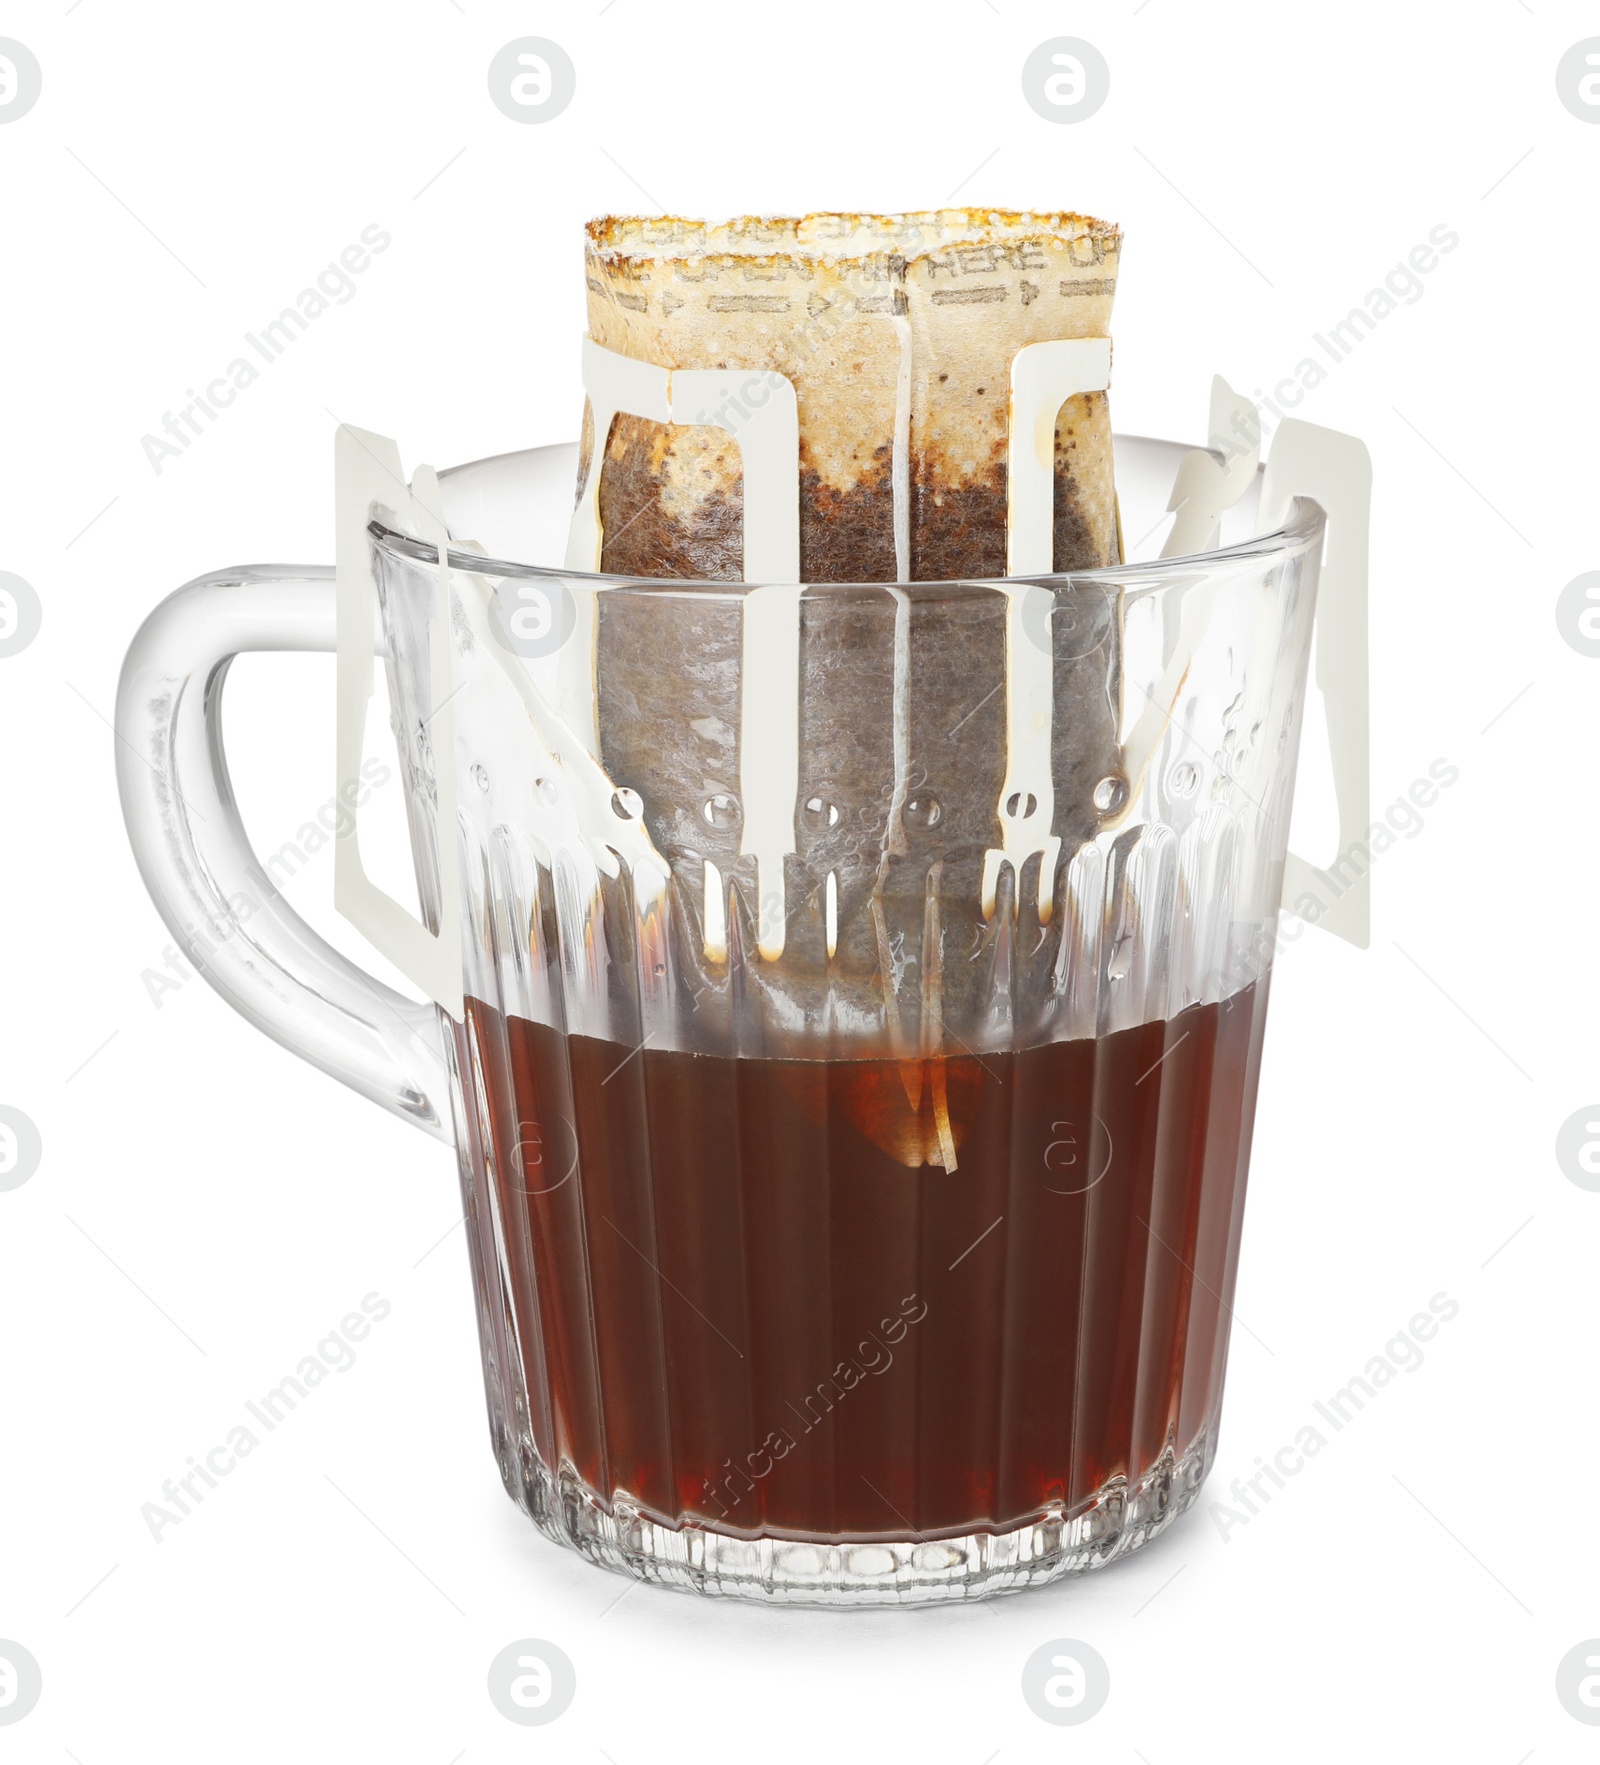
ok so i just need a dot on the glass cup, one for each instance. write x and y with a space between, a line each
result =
862 993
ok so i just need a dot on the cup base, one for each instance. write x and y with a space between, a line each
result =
1116 1521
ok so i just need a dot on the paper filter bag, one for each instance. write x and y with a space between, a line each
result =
898 335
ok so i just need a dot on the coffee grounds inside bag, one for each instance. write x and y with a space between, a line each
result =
844 306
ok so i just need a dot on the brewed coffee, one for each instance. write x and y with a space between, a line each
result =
743 1298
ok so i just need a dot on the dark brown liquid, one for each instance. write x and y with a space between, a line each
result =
743 1294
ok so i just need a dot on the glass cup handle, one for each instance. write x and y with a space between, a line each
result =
221 906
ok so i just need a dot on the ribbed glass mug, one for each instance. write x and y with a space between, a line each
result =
862 1001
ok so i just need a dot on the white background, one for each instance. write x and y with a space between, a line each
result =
208 1207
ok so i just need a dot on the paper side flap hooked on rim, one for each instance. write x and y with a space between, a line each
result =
368 476
1043 377
769 448
1206 485
1334 471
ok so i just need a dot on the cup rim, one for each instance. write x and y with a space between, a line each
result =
1301 529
